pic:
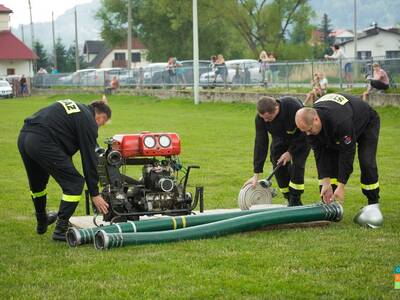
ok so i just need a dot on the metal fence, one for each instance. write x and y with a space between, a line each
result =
238 73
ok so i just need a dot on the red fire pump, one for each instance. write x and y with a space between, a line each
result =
159 190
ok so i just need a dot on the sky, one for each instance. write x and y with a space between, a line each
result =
41 9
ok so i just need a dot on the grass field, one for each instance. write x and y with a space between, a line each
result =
340 261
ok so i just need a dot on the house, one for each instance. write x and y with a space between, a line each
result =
342 35
15 56
374 42
99 55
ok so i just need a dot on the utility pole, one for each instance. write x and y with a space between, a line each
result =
54 42
129 43
76 42
32 33
22 33
195 55
355 39
355 29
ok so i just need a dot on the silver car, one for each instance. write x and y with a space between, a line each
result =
239 71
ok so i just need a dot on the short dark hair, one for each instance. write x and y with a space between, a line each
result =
100 107
266 104
336 47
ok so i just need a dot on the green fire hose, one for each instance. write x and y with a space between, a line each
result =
76 237
317 212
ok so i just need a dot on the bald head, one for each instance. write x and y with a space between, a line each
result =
308 121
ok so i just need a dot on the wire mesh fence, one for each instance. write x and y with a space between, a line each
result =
235 73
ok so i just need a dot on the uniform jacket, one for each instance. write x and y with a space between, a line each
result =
344 119
283 130
72 126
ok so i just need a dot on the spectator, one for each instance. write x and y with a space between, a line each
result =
23 86
320 86
272 70
180 74
114 84
171 68
263 60
54 70
379 83
221 69
348 69
42 71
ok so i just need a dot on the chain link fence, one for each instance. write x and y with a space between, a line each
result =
236 73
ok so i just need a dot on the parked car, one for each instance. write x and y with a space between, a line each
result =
5 89
186 70
77 77
153 74
240 71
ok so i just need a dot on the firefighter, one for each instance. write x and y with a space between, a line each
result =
334 126
47 142
289 146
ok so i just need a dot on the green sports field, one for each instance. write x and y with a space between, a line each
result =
337 262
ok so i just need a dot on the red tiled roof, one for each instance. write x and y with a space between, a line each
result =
136 44
12 48
4 9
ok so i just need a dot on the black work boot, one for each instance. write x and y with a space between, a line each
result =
294 200
60 230
44 220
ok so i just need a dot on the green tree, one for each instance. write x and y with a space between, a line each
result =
265 24
43 60
165 28
61 53
326 29
70 62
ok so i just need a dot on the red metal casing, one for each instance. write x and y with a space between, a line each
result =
132 145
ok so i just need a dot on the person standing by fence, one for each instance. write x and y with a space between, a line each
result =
347 66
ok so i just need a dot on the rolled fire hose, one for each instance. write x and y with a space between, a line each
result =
250 195
317 212
76 237
262 193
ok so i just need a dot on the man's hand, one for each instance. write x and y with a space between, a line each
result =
101 204
285 158
326 191
339 193
253 181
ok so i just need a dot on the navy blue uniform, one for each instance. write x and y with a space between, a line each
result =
347 121
47 142
285 137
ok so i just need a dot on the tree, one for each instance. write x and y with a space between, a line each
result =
264 24
43 60
70 60
165 28
326 29
61 56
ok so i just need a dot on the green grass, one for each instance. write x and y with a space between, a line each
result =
341 261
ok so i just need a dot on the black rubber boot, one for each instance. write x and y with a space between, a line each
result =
294 200
60 230
44 220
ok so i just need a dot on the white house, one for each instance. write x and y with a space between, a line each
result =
342 35
15 56
374 42
99 55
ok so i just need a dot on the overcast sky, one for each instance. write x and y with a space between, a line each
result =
41 9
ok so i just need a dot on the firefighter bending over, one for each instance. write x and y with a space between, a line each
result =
288 147
47 142
334 126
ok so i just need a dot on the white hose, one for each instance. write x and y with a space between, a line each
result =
250 195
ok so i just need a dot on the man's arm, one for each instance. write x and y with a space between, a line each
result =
260 145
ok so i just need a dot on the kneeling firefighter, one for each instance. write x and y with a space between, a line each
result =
47 142
289 147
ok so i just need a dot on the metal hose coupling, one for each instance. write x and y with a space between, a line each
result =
76 237
369 216
334 211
